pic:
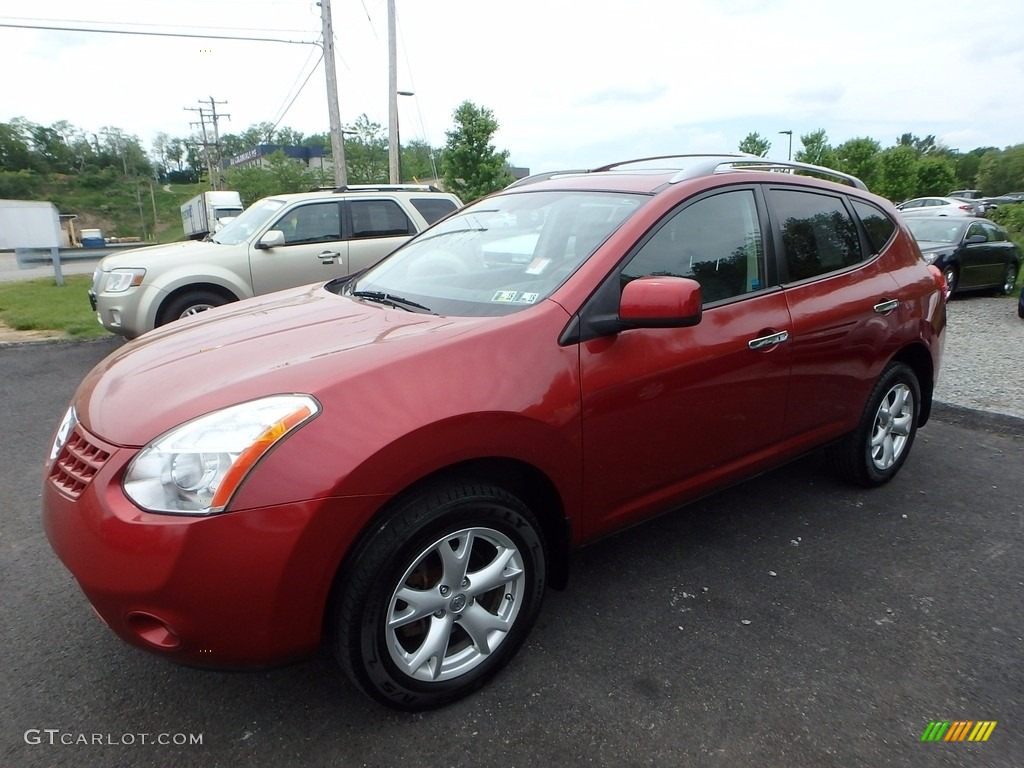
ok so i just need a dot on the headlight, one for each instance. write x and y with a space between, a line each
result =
120 280
63 432
196 468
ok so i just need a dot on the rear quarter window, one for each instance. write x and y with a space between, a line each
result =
877 226
433 208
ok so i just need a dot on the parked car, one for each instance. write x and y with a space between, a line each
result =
278 242
992 203
405 459
972 253
940 206
966 194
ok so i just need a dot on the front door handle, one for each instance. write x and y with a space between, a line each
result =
886 306
771 340
329 257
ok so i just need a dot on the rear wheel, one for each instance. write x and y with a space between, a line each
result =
440 597
874 452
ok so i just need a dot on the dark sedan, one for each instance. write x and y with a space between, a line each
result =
972 253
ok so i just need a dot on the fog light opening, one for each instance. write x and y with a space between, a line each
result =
153 631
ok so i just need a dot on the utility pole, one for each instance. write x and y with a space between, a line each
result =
337 142
394 159
206 142
215 182
213 159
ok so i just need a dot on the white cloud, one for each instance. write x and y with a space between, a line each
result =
573 83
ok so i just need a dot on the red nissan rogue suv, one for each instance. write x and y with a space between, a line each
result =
403 460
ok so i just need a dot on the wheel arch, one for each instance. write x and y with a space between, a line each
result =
919 359
182 290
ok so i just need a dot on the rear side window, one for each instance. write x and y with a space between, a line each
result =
715 241
818 234
379 218
433 208
877 225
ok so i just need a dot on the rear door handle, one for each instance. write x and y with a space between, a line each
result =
768 341
886 306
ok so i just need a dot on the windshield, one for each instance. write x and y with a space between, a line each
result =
498 256
248 222
939 230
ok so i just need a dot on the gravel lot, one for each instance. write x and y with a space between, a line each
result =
984 342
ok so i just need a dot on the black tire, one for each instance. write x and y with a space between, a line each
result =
952 275
188 304
1009 280
874 452
476 623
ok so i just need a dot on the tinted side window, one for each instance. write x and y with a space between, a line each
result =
818 235
715 241
433 208
379 218
317 222
878 226
995 235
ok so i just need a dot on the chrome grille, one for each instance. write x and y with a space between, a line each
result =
77 464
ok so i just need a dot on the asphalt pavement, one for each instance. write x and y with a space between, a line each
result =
790 621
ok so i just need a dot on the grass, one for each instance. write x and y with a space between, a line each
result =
42 305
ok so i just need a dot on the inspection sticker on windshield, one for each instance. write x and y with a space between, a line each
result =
515 297
537 266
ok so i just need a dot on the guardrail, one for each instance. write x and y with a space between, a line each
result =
34 257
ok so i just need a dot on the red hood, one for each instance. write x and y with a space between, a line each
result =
283 342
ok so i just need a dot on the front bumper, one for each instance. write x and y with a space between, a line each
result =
237 590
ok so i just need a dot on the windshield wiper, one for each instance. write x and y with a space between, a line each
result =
390 300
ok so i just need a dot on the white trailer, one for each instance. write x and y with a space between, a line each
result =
203 214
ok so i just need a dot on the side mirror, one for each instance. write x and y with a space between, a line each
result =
976 239
660 302
271 239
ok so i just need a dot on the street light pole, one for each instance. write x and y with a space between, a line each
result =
790 134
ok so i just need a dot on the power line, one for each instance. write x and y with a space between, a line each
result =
160 34
142 24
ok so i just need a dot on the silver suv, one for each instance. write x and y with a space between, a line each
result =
278 242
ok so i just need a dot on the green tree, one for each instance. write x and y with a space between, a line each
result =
470 165
417 161
366 152
15 151
816 150
859 157
897 179
1002 171
755 144
278 176
935 176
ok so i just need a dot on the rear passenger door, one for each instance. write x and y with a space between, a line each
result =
843 305
375 227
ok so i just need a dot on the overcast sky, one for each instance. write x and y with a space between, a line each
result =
573 83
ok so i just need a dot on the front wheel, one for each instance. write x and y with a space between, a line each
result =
874 452
440 596
1009 280
952 275
188 304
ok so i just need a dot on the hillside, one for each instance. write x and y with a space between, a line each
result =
120 206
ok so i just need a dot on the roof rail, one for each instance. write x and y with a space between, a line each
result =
705 165
541 177
386 188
